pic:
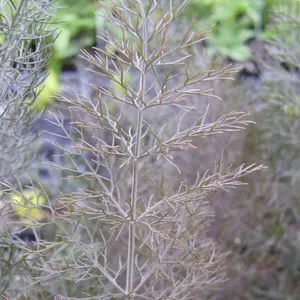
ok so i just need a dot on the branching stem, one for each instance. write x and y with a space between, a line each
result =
134 190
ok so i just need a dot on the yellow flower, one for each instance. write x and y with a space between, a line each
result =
27 205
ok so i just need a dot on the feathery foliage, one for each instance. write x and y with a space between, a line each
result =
134 230
25 48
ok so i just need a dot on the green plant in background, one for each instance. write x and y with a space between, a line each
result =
77 30
78 22
271 229
78 27
234 23
45 93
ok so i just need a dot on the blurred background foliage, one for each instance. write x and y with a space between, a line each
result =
233 24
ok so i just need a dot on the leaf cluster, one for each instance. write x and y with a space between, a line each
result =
233 22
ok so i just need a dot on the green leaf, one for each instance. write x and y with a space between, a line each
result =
240 53
62 43
236 21
291 111
268 34
46 94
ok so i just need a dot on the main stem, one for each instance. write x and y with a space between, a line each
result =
134 195
134 190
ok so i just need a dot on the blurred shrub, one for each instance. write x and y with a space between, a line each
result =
263 226
78 26
235 22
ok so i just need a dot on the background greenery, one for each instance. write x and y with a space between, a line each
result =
233 24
